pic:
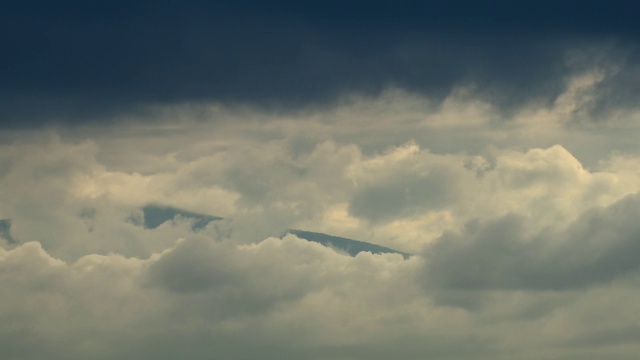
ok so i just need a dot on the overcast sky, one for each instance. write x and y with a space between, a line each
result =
495 141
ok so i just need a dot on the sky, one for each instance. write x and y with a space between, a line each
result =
494 141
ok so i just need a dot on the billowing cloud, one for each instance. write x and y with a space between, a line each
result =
286 297
507 166
218 295
597 248
398 184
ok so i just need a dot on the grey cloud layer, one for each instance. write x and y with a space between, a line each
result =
598 248
285 298
200 297
526 232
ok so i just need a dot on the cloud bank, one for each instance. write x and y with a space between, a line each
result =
152 157
522 245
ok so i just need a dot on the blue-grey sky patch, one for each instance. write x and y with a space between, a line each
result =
5 231
156 215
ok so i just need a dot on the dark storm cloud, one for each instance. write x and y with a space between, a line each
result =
75 60
599 247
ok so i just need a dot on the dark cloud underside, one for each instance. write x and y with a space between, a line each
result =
77 60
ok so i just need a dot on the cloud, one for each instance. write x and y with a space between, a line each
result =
597 248
523 223
201 297
401 183
197 293
290 56
272 174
